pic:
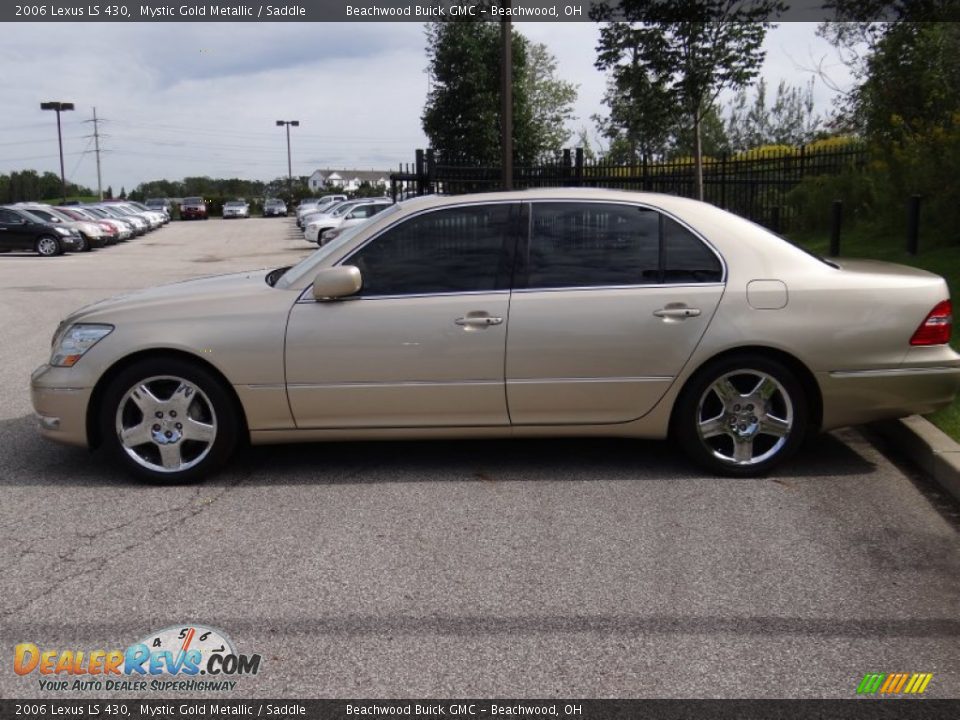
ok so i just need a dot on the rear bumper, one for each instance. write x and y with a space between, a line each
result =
856 397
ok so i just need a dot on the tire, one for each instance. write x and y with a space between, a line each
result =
741 416
82 245
169 421
48 246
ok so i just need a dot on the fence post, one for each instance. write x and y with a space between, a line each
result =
775 219
723 180
567 161
420 171
913 224
578 168
431 169
644 176
835 219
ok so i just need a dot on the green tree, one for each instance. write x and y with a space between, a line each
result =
642 114
790 120
551 101
461 117
692 49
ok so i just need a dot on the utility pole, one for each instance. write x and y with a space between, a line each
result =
506 98
96 144
288 123
59 107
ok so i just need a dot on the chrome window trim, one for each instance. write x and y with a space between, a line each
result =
344 259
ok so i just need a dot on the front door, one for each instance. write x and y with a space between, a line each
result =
422 344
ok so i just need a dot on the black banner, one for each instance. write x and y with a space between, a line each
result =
454 10
855 709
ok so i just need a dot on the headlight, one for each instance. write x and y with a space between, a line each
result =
72 344
63 231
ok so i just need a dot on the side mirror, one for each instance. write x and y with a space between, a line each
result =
337 282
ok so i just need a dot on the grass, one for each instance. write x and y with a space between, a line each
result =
944 260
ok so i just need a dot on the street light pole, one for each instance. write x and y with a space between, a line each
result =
288 123
59 107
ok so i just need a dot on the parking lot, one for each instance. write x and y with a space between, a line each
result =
593 568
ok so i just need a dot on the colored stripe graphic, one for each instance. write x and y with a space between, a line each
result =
894 683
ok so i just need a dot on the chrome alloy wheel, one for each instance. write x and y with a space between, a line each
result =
166 424
745 417
47 246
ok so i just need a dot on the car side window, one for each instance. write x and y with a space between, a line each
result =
455 250
592 244
686 258
6 216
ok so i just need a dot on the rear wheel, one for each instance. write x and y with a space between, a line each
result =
741 416
48 246
169 421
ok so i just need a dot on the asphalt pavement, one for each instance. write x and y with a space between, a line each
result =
530 569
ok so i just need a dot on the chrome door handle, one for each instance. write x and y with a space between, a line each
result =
679 313
478 321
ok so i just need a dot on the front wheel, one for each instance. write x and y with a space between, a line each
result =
741 416
169 421
48 246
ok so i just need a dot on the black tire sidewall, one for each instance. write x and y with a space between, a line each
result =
229 425
685 418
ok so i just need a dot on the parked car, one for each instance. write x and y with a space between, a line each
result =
161 205
315 224
22 230
193 208
140 225
91 234
132 228
357 215
274 207
317 205
236 209
127 208
113 232
629 314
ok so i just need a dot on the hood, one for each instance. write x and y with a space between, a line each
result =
181 298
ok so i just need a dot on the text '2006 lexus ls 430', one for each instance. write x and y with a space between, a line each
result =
537 313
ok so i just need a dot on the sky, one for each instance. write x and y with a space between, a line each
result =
184 99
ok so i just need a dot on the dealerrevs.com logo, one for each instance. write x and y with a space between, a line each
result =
175 658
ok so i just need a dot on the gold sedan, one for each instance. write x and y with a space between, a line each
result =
539 313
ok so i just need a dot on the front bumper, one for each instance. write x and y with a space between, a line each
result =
61 411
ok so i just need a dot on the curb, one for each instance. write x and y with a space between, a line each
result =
932 450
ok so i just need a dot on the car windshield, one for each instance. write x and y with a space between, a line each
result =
343 209
193 201
310 262
234 203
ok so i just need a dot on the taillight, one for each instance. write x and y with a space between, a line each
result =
935 330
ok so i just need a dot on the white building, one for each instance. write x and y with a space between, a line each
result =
349 180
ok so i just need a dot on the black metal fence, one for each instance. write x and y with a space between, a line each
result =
753 184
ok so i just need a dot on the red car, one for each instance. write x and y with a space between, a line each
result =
193 208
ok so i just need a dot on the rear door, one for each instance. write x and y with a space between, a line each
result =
609 302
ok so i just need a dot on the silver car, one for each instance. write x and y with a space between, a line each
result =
556 313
